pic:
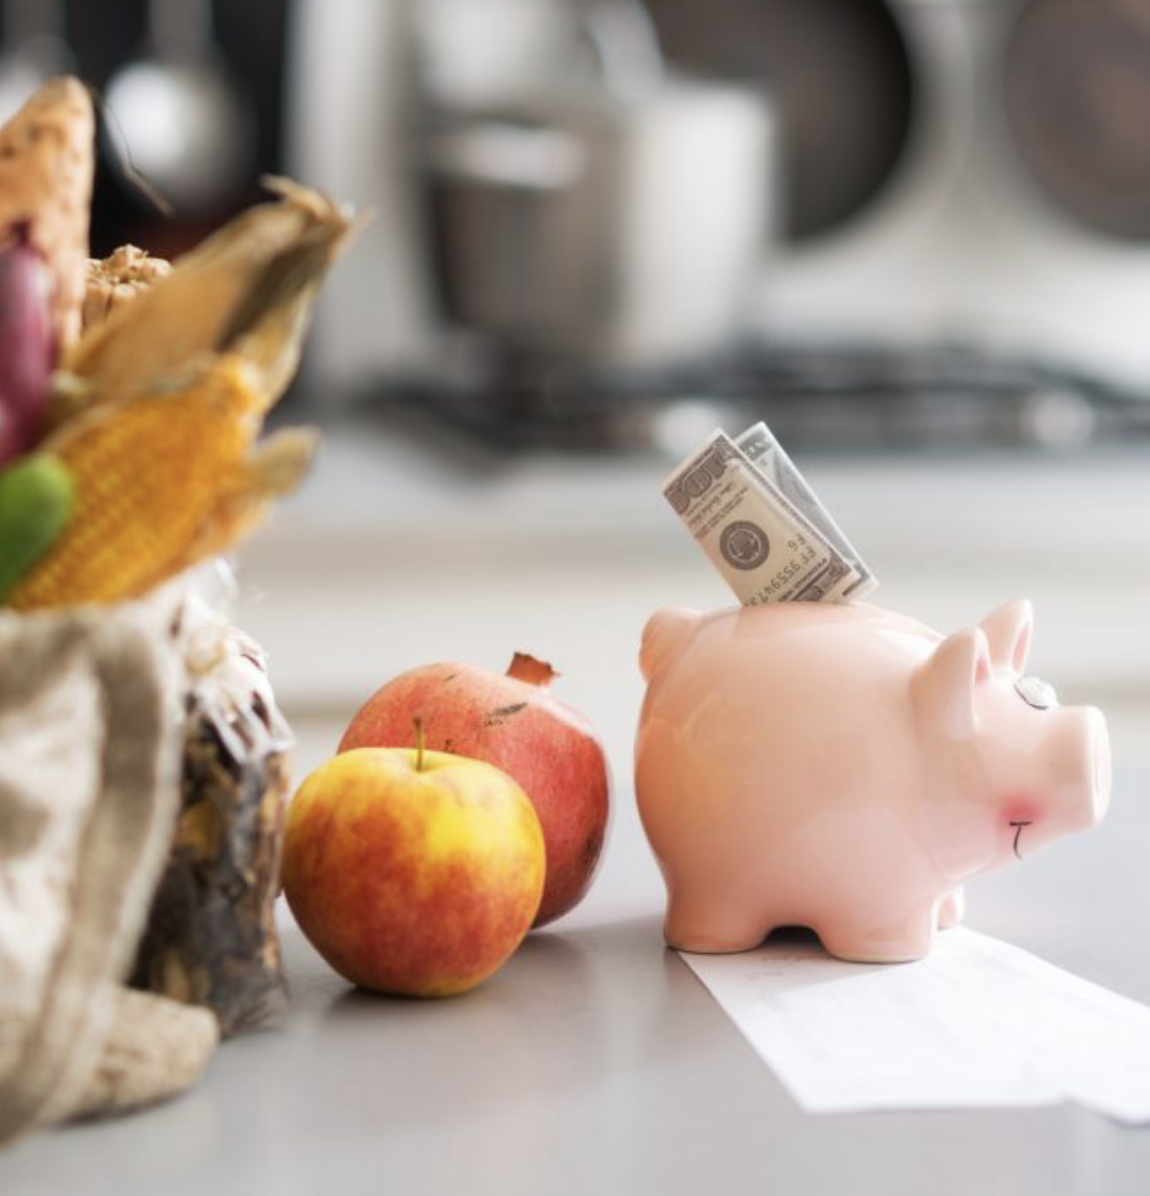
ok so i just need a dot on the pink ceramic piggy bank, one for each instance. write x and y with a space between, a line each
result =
847 769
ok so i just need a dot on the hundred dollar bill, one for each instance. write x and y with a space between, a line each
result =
771 460
764 547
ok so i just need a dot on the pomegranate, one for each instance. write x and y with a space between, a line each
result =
512 721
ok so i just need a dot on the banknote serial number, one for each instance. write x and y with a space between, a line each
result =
802 554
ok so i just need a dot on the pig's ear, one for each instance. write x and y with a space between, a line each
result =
1008 632
944 684
663 638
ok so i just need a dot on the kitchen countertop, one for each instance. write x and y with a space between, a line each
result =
595 1061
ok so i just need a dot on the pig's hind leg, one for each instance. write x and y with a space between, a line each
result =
701 921
951 909
898 942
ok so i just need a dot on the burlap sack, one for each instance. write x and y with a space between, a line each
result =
89 769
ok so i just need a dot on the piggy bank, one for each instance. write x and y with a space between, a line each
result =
845 768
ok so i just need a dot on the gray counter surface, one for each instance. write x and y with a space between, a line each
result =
595 1062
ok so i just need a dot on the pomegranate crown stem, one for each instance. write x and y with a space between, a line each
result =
525 667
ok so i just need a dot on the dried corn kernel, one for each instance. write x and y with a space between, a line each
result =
151 473
116 280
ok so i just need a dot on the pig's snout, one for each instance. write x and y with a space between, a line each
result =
1083 776
1070 789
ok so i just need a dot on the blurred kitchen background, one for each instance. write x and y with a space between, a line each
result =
912 235
884 223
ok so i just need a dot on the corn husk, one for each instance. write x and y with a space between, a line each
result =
248 288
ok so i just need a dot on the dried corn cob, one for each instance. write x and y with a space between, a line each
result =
46 167
45 186
153 473
116 280
250 286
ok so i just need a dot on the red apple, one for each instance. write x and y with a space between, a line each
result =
513 722
412 872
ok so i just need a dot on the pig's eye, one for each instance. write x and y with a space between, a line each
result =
1036 692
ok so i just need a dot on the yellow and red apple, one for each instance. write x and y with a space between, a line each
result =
412 872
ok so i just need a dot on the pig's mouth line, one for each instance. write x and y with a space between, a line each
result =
1018 833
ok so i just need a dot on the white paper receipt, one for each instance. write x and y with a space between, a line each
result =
977 1023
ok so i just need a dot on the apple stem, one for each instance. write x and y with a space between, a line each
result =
418 721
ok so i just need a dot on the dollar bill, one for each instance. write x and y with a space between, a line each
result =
762 545
769 457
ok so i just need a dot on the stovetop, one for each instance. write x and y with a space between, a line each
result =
841 397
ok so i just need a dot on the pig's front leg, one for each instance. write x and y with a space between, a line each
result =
952 908
699 921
